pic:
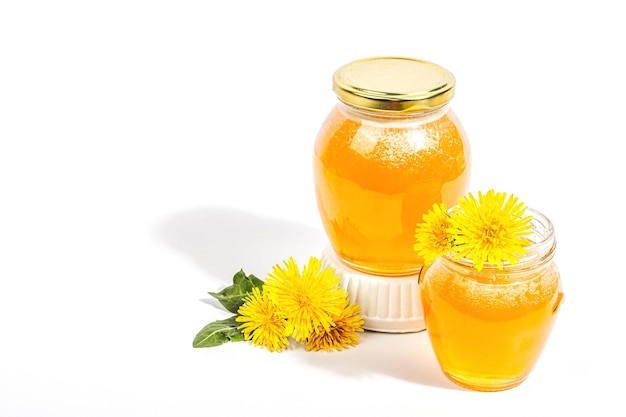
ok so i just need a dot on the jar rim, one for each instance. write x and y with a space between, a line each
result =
393 84
539 252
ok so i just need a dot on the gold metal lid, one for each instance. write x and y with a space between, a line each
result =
393 84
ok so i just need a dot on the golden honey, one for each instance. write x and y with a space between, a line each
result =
488 328
388 150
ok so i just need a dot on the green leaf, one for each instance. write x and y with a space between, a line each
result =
218 333
232 297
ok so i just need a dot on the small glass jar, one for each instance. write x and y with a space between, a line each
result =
388 150
488 328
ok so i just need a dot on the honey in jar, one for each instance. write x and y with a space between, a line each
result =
388 150
488 328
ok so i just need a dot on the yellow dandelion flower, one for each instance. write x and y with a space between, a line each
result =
262 324
309 299
432 236
342 335
490 229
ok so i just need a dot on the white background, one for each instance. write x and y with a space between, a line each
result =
151 149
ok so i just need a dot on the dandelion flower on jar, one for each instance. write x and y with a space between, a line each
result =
491 229
432 236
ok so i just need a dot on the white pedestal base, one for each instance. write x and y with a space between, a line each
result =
388 304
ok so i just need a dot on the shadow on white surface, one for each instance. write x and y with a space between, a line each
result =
407 356
223 240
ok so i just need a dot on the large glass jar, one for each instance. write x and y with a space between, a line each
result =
388 150
489 328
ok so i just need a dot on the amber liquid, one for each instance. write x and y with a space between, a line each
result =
487 335
376 178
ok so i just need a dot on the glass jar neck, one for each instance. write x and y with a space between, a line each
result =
379 116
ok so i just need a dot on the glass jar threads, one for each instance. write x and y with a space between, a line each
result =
388 150
489 327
